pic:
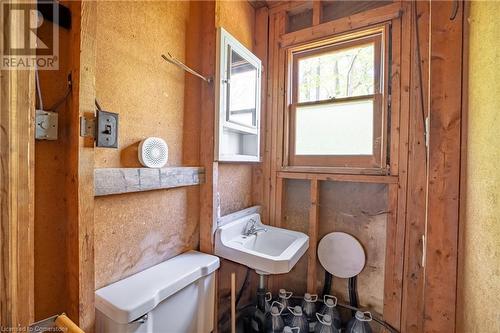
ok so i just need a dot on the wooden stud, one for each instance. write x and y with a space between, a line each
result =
405 54
260 188
268 134
393 279
317 11
313 237
445 100
395 104
277 91
277 222
233 302
461 299
80 242
208 190
417 168
17 135
280 200
393 267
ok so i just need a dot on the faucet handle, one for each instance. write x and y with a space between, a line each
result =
249 226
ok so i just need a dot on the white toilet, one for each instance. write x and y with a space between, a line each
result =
175 296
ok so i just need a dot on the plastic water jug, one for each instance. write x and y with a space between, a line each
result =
284 296
267 303
299 319
309 306
274 322
325 324
360 323
330 308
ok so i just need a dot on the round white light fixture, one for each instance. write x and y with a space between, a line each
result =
153 152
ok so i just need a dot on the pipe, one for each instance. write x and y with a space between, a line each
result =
328 283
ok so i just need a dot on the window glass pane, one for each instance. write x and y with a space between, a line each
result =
337 74
242 91
335 129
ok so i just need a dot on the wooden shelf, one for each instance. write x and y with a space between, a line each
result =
377 179
109 181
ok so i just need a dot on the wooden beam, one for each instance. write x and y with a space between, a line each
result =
285 6
80 242
404 115
126 180
417 167
393 264
276 90
17 102
257 4
343 25
208 190
445 100
261 186
313 237
461 292
396 198
317 11
340 177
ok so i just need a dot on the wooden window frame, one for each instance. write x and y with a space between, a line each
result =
372 164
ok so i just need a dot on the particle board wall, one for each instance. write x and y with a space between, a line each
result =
136 231
479 283
235 180
358 209
52 195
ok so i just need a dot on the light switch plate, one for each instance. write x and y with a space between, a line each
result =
107 129
46 125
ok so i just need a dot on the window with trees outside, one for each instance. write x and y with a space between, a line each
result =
337 103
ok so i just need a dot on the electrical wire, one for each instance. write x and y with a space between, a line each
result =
240 292
39 93
62 100
38 90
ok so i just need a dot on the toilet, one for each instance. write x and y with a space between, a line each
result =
175 296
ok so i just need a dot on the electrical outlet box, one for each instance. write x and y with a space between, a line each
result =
46 125
107 129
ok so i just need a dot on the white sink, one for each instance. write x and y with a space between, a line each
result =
274 251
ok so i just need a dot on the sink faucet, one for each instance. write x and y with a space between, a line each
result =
251 229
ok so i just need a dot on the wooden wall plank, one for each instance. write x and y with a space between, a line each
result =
80 241
417 167
312 283
393 253
276 90
317 12
260 188
445 100
126 180
17 101
208 190
395 90
396 319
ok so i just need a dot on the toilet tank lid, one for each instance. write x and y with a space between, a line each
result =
131 298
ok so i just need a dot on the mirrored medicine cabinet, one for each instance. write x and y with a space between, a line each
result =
238 95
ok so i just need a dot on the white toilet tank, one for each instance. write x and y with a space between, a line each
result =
175 296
